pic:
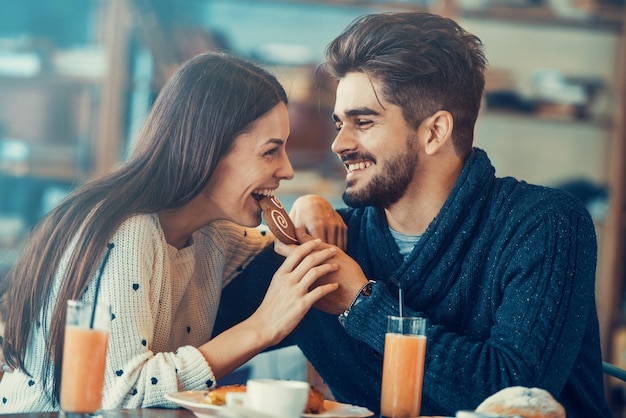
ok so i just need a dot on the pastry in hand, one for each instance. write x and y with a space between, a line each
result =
523 402
278 220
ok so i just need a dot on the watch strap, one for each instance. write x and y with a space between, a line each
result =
364 291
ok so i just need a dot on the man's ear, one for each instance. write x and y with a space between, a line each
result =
439 127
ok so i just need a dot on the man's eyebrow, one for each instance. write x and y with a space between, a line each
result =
359 111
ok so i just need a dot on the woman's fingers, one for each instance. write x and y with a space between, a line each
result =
298 274
292 292
299 253
319 292
318 267
316 257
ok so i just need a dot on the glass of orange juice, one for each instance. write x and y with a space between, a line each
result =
403 367
84 356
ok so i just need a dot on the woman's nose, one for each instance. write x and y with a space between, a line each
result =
285 170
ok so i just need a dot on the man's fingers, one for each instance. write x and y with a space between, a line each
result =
303 236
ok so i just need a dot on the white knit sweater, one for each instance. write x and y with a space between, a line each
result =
163 301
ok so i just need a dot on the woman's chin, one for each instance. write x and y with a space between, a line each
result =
251 222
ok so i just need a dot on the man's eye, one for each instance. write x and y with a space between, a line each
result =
338 126
363 122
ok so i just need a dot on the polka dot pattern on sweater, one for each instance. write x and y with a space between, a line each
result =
154 331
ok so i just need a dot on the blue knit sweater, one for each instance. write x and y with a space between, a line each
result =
505 275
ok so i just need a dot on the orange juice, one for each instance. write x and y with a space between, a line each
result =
403 372
82 378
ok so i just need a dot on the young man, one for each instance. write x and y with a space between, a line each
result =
503 270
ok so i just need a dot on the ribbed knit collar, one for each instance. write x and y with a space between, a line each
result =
442 242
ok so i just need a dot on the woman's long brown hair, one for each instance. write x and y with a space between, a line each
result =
208 102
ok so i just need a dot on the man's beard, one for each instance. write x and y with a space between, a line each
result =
386 188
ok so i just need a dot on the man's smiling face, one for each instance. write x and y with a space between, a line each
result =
374 142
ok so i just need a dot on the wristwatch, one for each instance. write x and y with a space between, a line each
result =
364 292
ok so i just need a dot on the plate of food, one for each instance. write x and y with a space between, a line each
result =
198 403
334 409
212 403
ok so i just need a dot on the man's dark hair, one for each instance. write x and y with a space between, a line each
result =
424 62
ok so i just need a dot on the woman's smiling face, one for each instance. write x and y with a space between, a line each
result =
255 166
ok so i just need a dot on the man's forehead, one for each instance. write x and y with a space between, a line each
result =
357 91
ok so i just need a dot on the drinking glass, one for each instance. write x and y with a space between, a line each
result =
84 356
403 367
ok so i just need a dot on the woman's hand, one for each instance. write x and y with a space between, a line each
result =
290 296
318 217
349 275
293 290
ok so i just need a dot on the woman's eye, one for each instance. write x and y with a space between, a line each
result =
271 152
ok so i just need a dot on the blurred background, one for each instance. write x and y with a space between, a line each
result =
77 78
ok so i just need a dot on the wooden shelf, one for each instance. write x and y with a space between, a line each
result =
65 166
373 4
600 123
602 17
612 260
543 15
50 77
68 108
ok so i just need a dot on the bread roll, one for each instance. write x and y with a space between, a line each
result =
523 402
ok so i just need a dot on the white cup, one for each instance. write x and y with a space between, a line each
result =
272 397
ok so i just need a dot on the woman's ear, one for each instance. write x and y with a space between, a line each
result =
439 126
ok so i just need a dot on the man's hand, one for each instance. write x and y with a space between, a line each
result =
350 278
317 216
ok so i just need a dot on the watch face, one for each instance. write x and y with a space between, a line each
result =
367 290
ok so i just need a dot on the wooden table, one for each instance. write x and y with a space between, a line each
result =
127 413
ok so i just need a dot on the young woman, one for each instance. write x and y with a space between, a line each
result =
180 220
